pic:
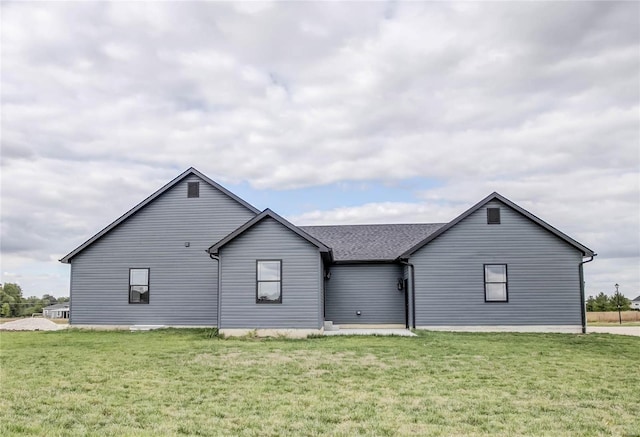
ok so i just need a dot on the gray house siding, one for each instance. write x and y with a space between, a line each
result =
371 289
542 270
183 280
301 280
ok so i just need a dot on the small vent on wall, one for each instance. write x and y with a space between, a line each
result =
493 216
193 189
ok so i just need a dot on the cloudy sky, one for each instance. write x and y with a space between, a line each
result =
327 113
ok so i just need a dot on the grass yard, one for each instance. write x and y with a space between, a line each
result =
175 382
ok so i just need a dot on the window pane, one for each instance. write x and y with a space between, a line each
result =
139 277
140 288
134 297
268 291
137 296
495 273
268 270
496 292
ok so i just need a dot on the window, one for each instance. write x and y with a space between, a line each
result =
193 189
138 285
495 283
493 216
269 281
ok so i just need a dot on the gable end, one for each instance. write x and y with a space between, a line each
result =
495 196
191 171
257 219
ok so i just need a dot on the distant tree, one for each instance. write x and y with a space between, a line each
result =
11 294
598 303
619 299
47 300
602 302
63 299
6 310
33 304
590 303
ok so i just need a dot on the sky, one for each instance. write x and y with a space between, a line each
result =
325 112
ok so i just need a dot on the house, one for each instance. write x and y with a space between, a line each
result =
635 304
195 254
56 311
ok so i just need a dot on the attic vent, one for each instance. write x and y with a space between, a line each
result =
193 189
493 216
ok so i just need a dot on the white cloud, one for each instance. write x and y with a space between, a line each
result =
102 103
376 213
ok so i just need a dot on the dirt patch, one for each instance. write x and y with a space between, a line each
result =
31 324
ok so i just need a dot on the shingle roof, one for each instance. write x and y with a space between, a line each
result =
371 242
637 299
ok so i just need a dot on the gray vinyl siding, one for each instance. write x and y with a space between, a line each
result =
371 289
183 280
301 279
543 279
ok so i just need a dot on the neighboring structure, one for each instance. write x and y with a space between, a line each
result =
194 254
56 311
635 304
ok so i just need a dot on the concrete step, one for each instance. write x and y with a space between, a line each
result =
329 326
145 327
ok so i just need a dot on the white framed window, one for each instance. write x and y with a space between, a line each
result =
495 283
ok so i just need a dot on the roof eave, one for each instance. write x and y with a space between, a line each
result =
366 261
582 248
496 196
446 227
67 258
214 249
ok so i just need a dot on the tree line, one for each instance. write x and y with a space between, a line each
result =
13 304
602 302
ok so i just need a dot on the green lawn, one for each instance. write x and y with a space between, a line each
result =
175 382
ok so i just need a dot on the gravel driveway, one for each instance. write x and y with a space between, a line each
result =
31 324
620 330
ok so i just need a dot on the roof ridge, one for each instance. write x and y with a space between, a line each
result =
373 242
372 224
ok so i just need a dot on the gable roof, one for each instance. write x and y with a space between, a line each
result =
257 219
495 196
637 299
57 306
384 242
190 171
